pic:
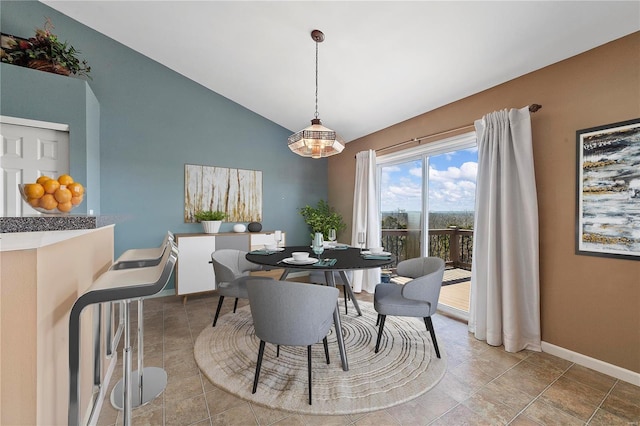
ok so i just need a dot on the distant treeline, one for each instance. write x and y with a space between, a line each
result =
441 220
437 220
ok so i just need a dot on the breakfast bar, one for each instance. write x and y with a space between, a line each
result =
43 272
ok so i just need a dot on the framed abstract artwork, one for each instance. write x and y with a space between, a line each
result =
608 190
236 192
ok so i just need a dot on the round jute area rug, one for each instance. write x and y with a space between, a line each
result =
405 367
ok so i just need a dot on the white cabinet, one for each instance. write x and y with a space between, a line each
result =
194 272
258 240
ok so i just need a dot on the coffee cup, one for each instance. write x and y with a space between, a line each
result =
300 255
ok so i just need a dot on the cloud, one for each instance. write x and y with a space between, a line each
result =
467 171
416 171
451 189
404 193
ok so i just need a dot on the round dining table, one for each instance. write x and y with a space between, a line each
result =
339 258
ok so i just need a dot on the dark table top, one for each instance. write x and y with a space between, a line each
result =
348 258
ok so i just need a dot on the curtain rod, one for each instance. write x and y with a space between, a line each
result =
532 108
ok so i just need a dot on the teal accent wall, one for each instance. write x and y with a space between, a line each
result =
92 152
38 95
153 121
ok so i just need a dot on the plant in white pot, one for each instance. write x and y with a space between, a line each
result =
211 220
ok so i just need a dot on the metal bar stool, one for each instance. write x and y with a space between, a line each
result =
118 285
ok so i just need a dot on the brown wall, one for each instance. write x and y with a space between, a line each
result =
590 305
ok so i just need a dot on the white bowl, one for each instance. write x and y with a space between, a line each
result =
270 246
300 255
376 250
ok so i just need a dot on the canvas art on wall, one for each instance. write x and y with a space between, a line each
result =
608 190
236 192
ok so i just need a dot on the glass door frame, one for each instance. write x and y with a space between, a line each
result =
423 152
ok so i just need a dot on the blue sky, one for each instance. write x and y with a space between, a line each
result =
452 183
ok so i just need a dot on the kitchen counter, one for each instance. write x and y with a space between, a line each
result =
42 275
37 239
37 223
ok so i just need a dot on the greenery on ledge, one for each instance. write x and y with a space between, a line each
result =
44 52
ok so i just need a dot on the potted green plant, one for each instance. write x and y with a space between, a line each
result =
44 52
211 220
322 218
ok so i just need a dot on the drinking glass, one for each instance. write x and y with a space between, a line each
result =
332 235
318 244
278 237
361 240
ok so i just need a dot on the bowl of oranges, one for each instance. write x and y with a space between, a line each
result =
53 196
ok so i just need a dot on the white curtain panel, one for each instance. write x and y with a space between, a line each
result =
505 288
366 217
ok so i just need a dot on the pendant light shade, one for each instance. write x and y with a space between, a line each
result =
316 141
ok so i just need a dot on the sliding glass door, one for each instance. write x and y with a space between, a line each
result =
402 207
427 199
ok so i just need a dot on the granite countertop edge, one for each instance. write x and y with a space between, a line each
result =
54 223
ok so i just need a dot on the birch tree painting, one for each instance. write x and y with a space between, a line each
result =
236 192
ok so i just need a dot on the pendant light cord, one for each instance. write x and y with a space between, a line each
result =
316 80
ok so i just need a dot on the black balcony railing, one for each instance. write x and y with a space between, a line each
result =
453 245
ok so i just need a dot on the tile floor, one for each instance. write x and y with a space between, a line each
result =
483 385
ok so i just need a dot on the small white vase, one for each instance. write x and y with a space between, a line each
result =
211 226
239 227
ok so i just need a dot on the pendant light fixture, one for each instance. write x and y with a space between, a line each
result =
316 141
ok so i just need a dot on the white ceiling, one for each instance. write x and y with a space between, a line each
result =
380 63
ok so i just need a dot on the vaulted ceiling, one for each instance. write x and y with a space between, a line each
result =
382 62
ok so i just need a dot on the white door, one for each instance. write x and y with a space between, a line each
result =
29 149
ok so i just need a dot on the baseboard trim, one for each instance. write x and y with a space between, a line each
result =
592 363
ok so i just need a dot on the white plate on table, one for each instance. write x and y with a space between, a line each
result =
307 261
382 253
275 249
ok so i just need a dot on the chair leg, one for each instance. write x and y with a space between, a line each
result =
429 324
258 365
378 320
278 351
382 318
309 370
215 319
326 350
346 309
235 305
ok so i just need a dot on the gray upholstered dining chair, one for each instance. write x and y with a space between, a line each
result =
291 314
231 271
416 298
